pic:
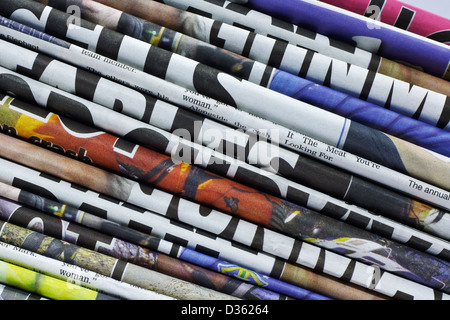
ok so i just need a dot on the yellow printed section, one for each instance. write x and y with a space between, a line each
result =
241 273
204 185
8 116
24 124
155 38
43 285
28 127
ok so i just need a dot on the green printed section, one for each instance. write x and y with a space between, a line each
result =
43 285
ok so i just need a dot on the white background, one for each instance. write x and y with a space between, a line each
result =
440 7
